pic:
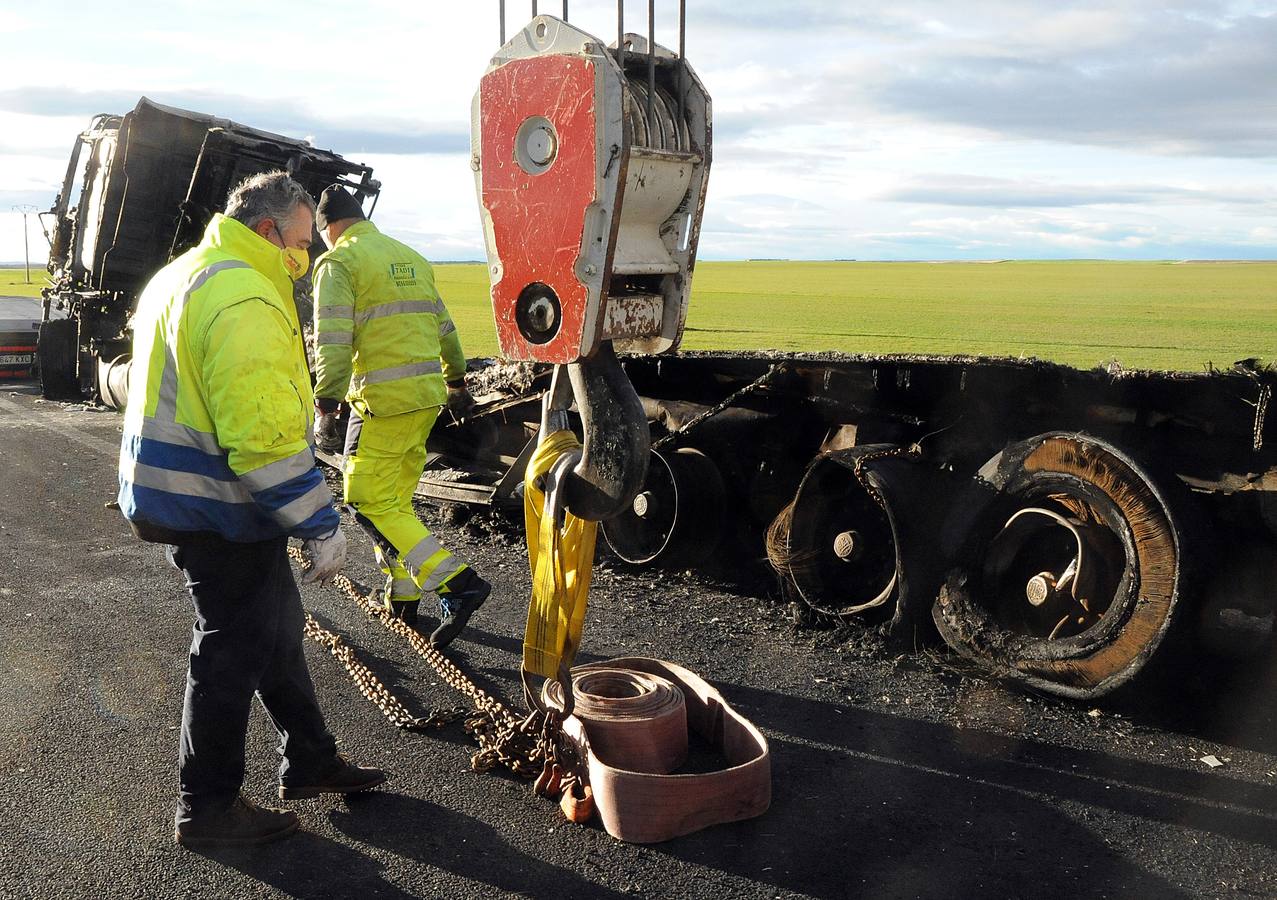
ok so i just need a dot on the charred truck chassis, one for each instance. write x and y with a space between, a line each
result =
1056 526
139 190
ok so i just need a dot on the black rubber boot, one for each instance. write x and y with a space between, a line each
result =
242 824
465 594
339 777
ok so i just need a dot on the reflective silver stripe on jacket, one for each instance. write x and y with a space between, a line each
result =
280 471
404 589
377 376
419 555
337 319
166 408
442 572
181 435
186 483
305 506
399 307
446 327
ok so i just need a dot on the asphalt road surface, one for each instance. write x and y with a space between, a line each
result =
19 313
894 776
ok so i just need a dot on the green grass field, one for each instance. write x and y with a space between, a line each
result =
13 282
1083 313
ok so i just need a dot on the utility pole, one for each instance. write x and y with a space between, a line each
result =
26 209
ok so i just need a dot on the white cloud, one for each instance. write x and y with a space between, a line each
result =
12 22
1126 127
972 190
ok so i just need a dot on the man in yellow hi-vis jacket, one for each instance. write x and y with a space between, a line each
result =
216 462
386 344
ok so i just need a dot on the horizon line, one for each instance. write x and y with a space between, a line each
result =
42 264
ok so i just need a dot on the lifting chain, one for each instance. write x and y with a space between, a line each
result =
523 746
757 384
371 686
911 451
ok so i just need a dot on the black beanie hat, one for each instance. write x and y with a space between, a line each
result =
336 204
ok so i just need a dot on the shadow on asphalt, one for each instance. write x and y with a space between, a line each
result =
869 804
308 865
458 844
405 676
1193 694
1204 696
511 645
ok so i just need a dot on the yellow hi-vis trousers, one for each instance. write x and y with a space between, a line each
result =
385 456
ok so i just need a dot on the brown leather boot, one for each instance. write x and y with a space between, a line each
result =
242 824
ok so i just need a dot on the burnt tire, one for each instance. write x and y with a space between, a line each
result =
677 518
1035 504
55 353
859 540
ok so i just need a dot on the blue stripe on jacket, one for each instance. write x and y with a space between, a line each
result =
162 455
281 495
236 521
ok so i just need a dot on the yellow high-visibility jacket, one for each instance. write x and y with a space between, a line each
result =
384 339
218 431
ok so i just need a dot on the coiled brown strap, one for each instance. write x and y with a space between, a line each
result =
629 727
636 721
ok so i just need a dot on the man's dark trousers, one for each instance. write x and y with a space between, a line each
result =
247 639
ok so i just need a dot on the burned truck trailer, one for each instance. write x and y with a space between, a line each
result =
139 190
1057 526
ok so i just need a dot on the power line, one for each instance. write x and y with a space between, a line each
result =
26 209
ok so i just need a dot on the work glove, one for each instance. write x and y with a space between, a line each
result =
460 403
327 435
327 555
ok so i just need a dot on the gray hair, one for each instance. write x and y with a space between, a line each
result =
267 195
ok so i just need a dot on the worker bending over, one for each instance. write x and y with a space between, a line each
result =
216 462
385 343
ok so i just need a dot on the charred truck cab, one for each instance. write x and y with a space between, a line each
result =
139 190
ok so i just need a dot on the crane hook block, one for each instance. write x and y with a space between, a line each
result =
590 166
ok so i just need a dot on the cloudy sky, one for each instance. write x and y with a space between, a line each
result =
933 130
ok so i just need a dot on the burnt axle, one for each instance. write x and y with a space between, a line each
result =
1057 526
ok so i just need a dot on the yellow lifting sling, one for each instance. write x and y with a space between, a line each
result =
560 555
